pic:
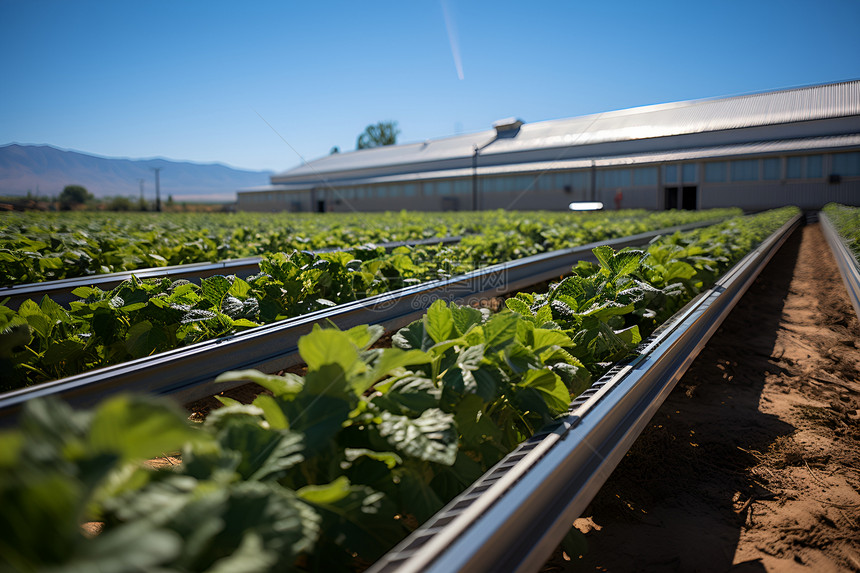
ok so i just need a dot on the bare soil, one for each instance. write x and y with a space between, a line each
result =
753 462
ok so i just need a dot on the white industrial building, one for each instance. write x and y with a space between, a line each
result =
789 147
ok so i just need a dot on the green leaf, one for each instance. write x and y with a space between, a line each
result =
323 347
465 317
604 254
413 336
626 262
321 408
271 411
518 306
11 443
474 424
439 321
363 336
630 335
226 401
389 360
500 330
552 389
327 494
575 287
356 519
140 427
544 337
134 547
144 339
214 288
265 453
431 437
66 351
239 288
286 385
390 459
408 395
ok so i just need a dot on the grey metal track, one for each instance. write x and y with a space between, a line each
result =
517 513
60 291
849 268
186 373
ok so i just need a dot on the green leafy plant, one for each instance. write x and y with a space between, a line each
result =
846 220
142 317
329 470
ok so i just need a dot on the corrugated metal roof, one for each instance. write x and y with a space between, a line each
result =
698 116
825 101
428 151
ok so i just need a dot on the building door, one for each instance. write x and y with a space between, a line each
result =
688 198
321 206
670 198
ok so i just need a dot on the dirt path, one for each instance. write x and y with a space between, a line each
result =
753 462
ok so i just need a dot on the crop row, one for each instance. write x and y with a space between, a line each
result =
329 470
42 247
846 220
138 318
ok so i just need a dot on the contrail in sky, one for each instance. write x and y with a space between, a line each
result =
452 39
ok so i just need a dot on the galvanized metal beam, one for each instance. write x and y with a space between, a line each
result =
849 268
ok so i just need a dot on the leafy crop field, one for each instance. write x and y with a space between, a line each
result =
329 470
44 341
846 220
36 247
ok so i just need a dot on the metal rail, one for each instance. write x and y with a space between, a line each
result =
517 513
849 268
185 373
60 291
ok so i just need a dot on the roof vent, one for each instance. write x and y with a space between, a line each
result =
507 127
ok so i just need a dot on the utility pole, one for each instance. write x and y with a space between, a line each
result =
475 178
157 190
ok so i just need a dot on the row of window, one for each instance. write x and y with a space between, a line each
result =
768 169
738 170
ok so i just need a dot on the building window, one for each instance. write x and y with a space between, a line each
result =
846 164
645 176
524 182
794 168
745 170
813 167
612 178
771 168
715 172
670 173
688 173
809 167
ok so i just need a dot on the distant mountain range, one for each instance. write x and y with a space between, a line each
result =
45 171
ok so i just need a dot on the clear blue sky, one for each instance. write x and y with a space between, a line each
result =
186 80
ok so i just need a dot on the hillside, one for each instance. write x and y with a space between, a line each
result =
46 170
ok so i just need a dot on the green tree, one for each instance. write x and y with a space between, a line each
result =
74 195
120 204
382 133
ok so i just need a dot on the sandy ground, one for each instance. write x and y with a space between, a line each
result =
753 462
